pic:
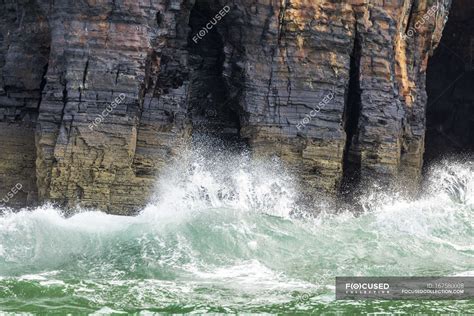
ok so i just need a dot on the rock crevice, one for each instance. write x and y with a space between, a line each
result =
96 98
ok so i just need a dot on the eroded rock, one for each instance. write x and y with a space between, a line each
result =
336 89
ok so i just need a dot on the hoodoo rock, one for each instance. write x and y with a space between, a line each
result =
97 96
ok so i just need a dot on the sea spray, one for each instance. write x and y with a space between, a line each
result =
218 236
199 180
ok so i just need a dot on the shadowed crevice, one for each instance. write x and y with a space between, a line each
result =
351 160
212 107
450 81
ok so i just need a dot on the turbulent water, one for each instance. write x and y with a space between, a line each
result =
219 236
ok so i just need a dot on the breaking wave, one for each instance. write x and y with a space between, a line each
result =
219 236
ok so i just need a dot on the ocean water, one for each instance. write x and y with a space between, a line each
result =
220 236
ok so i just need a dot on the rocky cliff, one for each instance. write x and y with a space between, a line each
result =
96 96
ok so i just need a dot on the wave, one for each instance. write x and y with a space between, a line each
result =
219 235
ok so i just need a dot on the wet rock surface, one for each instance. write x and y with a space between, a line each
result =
336 89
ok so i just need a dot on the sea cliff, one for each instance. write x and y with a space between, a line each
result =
96 96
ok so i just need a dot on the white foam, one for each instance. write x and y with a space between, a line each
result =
227 223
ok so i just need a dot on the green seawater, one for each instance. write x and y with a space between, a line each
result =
222 237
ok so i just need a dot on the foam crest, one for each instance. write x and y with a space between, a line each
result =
219 230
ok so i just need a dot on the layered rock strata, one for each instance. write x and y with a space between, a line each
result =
336 89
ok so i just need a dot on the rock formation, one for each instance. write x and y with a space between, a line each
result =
96 96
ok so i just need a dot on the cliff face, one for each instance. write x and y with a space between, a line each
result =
96 96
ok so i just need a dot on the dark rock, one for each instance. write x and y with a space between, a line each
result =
255 77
